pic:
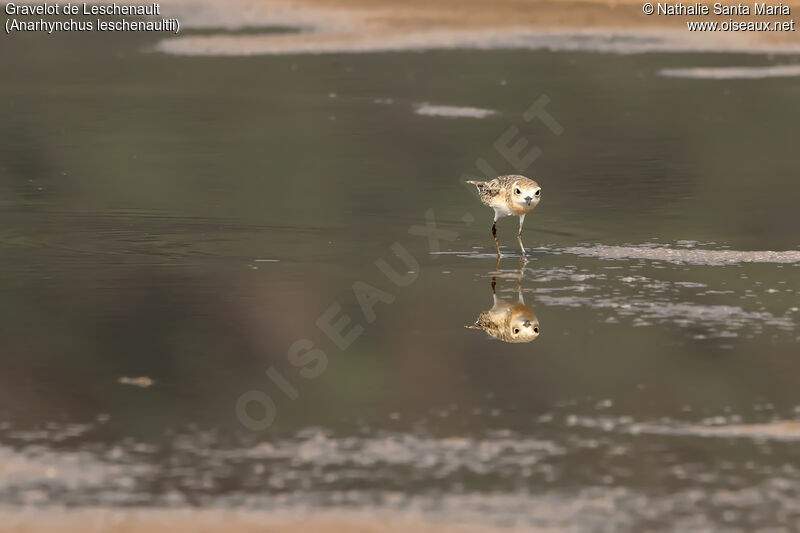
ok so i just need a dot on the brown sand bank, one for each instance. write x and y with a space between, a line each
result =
205 521
381 25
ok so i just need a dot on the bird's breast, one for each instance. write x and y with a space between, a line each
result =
521 209
502 210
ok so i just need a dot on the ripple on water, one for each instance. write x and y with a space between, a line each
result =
717 320
706 310
448 479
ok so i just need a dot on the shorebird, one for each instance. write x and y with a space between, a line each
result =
508 321
509 195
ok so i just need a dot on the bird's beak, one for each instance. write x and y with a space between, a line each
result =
527 323
528 199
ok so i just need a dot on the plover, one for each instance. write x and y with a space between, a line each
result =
509 195
508 321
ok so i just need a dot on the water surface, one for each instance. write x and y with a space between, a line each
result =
189 219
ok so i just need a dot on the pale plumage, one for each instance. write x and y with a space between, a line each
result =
511 195
508 321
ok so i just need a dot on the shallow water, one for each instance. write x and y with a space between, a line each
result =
162 223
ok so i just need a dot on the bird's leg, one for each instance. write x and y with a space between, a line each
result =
519 236
494 234
494 280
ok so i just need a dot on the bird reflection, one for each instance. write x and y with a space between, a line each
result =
508 321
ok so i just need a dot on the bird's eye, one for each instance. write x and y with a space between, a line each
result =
516 330
538 191
536 330
516 191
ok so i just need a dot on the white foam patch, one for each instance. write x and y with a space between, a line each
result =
732 73
31 473
321 481
693 256
453 111
435 456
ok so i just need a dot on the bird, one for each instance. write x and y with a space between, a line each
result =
508 321
509 195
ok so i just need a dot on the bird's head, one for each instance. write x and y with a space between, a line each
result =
523 326
526 193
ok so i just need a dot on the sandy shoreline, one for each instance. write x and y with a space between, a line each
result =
333 26
108 520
